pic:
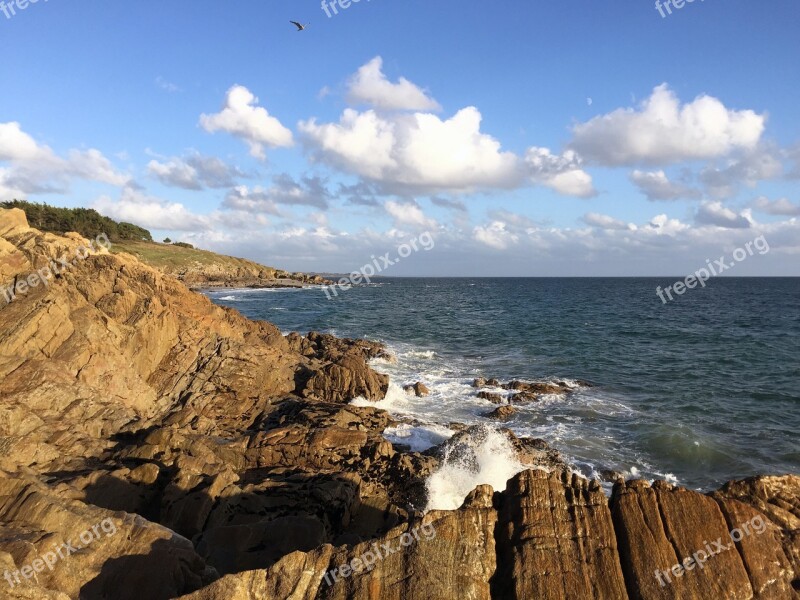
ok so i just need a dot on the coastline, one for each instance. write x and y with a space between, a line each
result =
193 428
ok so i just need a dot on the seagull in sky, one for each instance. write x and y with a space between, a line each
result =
300 26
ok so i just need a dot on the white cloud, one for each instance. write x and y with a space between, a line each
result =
495 235
562 172
782 206
150 212
36 169
409 214
418 152
370 86
17 145
241 117
662 131
195 172
759 165
663 225
657 186
713 213
309 191
605 222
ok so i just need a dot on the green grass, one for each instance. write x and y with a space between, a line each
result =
172 258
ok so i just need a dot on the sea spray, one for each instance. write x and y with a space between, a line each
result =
480 455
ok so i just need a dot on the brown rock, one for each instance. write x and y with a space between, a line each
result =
571 554
662 526
491 397
419 389
502 413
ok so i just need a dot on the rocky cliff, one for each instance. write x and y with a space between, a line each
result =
154 445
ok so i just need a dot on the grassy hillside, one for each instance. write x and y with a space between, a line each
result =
172 259
195 267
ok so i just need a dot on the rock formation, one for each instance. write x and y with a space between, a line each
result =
182 450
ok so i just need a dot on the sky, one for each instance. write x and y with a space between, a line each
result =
569 138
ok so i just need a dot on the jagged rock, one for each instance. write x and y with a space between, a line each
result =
547 535
661 526
502 413
491 397
461 448
110 554
537 388
611 475
523 398
556 540
432 548
419 389
479 382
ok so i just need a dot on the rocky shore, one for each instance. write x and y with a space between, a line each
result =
231 465
201 269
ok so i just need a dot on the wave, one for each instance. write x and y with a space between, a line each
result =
486 458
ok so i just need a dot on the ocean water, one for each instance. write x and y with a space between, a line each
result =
697 391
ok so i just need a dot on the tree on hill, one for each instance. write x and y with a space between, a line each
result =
86 221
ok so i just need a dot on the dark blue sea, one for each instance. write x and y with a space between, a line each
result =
696 391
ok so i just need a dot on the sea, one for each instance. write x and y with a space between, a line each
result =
696 391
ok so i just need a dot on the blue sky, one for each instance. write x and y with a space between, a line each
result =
537 138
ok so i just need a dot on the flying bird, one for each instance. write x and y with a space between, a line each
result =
300 26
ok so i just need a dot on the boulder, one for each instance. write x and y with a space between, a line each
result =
502 413
419 389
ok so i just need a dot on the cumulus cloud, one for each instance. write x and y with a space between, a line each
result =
285 190
370 86
713 213
134 206
409 214
495 235
663 225
724 181
195 172
655 185
418 152
782 206
243 118
605 222
662 131
562 173
35 168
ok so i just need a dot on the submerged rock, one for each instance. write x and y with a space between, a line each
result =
501 413
492 397
419 389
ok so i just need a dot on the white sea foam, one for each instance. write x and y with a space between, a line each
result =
229 298
491 461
